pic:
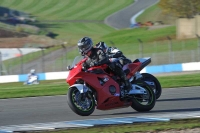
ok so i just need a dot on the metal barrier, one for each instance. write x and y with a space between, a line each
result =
48 60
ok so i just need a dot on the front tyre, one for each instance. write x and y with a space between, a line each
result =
81 103
143 102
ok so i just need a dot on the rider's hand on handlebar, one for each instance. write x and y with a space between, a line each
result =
92 64
110 56
84 67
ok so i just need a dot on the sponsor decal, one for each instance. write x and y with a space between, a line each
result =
18 55
105 79
116 94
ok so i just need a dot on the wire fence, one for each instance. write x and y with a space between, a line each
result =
51 60
171 57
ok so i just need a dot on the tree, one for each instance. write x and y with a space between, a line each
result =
180 8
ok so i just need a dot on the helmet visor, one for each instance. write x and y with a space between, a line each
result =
84 48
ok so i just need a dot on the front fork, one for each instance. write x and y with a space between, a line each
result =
87 91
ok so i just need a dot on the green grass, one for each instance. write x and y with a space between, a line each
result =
127 40
137 127
154 13
62 17
60 87
67 9
65 13
72 32
132 35
150 14
45 88
180 80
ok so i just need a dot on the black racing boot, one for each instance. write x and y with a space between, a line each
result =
128 86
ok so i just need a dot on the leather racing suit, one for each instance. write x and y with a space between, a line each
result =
99 57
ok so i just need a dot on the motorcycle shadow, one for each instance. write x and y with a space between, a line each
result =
151 112
179 99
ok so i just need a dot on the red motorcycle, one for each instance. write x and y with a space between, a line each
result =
99 88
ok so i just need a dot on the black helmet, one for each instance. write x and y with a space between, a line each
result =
102 45
85 45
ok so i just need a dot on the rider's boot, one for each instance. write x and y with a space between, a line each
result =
115 67
127 87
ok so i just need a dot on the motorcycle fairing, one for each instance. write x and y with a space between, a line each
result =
105 100
96 71
113 103
144 62
73 73
102 89
133 68
80 87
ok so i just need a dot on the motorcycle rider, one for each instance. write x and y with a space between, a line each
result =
31 74
96 57
114 54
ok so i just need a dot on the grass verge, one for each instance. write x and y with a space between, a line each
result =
60 87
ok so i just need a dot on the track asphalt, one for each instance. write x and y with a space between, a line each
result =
51 111
122 18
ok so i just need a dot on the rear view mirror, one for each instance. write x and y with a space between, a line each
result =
69 67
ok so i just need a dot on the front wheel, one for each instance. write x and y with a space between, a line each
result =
153 82
81 103
143 102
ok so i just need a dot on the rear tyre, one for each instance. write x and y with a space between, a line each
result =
143 102
157 88
80 104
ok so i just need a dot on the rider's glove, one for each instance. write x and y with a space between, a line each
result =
91 64
94 64
110 56
84 68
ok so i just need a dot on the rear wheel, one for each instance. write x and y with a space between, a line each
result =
143 102
81 103
148 78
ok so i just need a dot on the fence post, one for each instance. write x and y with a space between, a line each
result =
64 64
43 63
198 45
155 47
1 68
170 50
21 58
141 48
43 54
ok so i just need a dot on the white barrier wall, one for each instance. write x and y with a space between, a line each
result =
9 78
193 66
56 75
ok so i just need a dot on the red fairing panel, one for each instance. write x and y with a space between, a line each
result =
133 67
